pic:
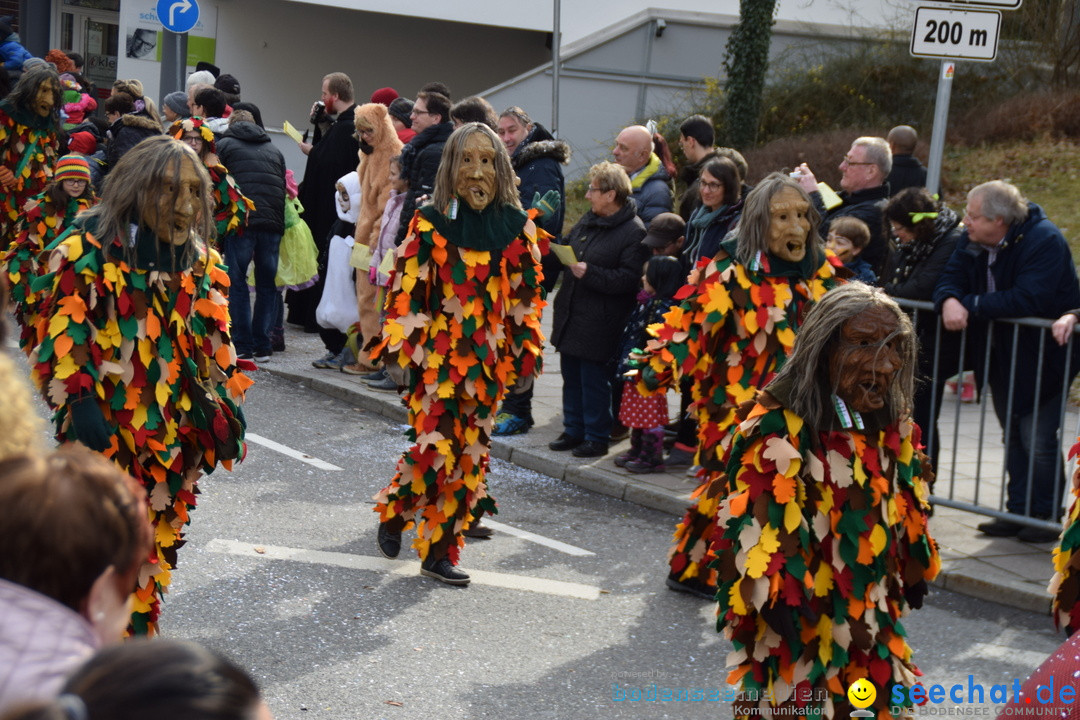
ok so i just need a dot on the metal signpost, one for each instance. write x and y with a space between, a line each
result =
954 33
177 17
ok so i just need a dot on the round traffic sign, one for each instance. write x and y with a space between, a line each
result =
178 16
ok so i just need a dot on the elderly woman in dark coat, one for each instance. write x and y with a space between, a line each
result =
597 295
925 234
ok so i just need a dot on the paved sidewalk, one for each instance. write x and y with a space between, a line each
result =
1002 570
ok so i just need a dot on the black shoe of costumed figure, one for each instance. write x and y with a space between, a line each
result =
389 542
692 586
478 531
444 571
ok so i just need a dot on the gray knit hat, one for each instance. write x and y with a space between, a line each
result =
177 102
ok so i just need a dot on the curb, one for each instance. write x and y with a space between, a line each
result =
998 589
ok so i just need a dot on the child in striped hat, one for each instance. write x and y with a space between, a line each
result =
45 217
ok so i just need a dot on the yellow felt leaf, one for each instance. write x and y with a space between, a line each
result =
161 393
735 598
859 472
824 632
907 451
757 560
878 539
786 336
74 243
823 580
717 299
165 535
65 368
794 422
792 516
57 325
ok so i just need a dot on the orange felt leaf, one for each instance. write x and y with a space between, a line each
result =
153 326
897 646
209 308
74 307
856 607
866 552
62 345
783 488
737 503
223 357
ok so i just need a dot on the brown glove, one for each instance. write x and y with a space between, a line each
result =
7 178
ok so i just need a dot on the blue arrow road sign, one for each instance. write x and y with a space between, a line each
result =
178 15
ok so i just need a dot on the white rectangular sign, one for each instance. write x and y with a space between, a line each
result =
955 34
1003 4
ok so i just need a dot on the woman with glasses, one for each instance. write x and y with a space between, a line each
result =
924 235
598 293
231 207
721 206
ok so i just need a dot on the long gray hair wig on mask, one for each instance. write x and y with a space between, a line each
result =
139 181
753 227
807 369
506 192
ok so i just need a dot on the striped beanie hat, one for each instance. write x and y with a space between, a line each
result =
72 167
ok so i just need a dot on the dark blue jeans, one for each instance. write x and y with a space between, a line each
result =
586 398
1047 472
251 329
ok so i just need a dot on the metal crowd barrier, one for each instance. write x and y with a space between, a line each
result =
972 473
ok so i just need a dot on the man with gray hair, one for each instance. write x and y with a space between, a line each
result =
1012 262
864 193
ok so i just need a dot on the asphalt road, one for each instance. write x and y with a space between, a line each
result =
281 573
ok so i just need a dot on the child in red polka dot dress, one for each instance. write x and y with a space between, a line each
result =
646 416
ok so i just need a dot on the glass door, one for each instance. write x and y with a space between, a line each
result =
95 34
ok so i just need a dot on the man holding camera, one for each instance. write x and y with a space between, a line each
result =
333 155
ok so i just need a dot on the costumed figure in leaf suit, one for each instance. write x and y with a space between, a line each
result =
231 207
44 218
135 352
29 121
463 323
731 332
1065 584
822 542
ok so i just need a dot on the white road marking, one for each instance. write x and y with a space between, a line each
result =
286 450
539 539
400 567
989 651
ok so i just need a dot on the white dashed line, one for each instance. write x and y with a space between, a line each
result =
286 450
539 539
401 567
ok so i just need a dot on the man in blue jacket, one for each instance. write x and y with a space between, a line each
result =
1013 262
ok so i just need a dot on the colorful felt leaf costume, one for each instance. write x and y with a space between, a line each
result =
821 547
41 222
730 333
1065 585
463 320
121 334
231 207
29 148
